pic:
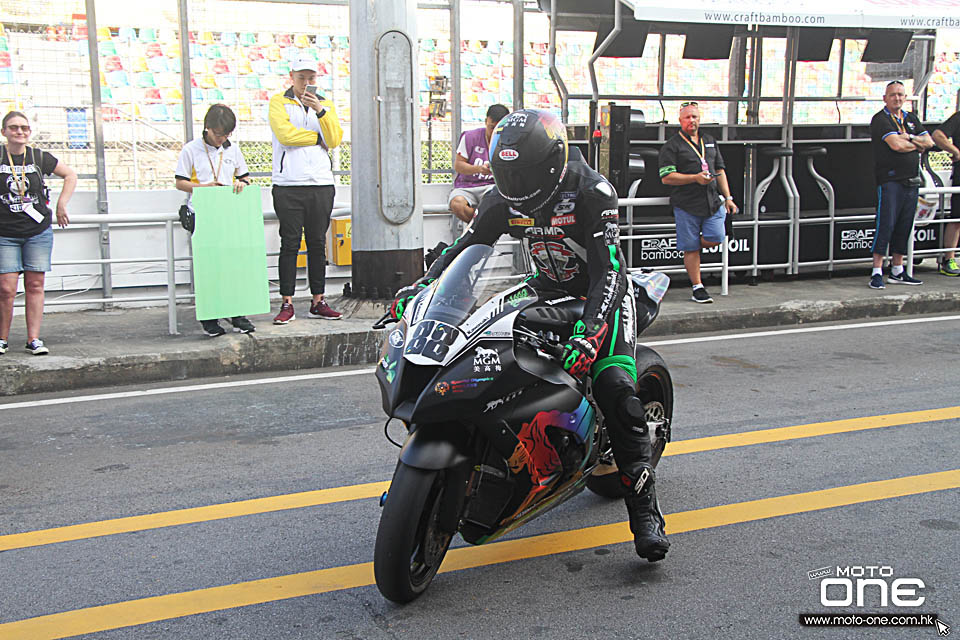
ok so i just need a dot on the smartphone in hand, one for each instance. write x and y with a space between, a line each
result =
312 88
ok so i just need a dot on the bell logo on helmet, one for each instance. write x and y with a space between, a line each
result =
508 154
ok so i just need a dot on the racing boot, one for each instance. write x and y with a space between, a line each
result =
646 521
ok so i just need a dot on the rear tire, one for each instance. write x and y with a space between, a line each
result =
410 544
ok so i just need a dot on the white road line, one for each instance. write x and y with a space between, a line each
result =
198 387
356 372
780 332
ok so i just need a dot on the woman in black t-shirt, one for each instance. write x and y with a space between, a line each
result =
26 239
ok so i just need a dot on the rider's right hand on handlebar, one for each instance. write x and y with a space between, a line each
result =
580 350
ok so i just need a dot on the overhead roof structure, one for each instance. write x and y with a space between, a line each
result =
858 14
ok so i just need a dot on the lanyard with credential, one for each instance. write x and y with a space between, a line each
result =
898 123
700 152
21 180
216 173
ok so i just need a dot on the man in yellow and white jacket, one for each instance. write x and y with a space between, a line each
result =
305 127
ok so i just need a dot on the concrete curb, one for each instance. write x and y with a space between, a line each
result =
255 353
243 354
794 312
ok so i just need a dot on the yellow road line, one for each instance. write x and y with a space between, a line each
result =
374 489
177 605
780 434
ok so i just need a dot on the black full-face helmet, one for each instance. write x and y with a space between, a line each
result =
528 156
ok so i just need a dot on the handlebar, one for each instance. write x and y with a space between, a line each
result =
546 345
385 320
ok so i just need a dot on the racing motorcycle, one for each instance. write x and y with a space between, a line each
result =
497 431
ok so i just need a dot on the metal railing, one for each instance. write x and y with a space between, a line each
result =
633 231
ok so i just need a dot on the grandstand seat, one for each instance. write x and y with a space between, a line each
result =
104 49
196 95
220 66
167 36
252 82
6 76
158 65
153 50
243 67
139 64
167 79
158 113
228 38
127 34
283 39
281 68
214 95
244 112
171 50
5 60
103 33
112 63
272 53
261 95
226 81
118 78
172 95
264 38
427 44
248 39
151 95
302 41
261 67
110 114
148 34
205 37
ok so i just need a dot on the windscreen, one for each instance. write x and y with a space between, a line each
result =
474 276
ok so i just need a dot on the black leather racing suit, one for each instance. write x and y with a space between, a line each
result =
575 241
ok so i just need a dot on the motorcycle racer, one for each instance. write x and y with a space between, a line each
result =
547 196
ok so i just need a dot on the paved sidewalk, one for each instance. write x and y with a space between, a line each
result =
90 349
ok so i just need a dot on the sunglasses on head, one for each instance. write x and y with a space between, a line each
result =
684 105
19 127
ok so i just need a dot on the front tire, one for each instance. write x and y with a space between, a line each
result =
410 543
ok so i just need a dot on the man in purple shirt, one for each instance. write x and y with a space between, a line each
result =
472 164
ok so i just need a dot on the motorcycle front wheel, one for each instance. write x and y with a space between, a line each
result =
410 543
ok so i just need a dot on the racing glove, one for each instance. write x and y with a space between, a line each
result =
581 349
406 295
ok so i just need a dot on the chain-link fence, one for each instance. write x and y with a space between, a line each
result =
240 53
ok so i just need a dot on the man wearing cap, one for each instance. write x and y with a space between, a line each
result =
305 127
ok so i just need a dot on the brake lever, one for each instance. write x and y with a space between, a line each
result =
385 320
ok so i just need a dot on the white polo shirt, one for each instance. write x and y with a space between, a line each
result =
201 163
